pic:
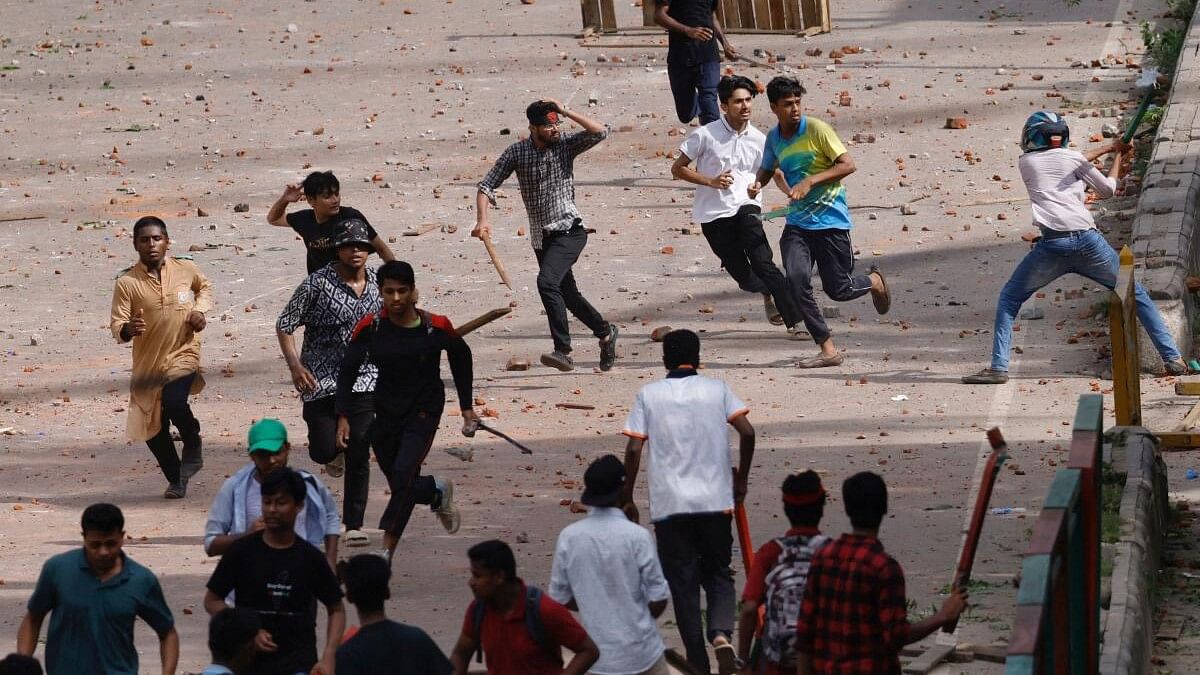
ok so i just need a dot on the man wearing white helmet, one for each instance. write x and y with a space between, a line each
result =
1057 178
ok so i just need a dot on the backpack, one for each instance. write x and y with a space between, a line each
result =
785 593
533 622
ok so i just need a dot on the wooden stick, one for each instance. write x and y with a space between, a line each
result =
574 406
482 320
487 242
418 230
13 219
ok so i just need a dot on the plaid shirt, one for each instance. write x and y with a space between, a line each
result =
547 180
329 310
854 617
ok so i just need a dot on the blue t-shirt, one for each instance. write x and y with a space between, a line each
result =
811 150
91 622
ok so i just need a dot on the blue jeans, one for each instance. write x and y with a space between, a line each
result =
1087 254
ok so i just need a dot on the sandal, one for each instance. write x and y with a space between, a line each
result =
356 538
986 376
773 315
881 299
821 361
727 660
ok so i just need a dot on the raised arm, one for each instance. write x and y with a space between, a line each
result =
277 216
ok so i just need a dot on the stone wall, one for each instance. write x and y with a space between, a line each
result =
1167 214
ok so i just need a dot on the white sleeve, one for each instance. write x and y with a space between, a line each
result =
693 145
635 424
560 586
734 406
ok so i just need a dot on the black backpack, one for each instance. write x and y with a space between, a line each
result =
533 622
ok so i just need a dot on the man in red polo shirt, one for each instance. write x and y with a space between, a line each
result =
499 622
777 577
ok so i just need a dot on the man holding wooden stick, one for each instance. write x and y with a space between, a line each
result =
545 168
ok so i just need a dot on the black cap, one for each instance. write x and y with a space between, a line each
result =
603 481
352 231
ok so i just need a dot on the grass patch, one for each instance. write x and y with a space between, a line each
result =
1112 484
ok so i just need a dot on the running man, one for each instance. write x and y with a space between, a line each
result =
817 233
545 167
406 345
695 40
159 304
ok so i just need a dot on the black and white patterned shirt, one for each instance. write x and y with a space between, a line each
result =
328 310
547 180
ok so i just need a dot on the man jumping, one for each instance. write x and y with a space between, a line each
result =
545 167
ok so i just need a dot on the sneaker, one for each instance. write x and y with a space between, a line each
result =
1177 367
559 360
446 511
336 466
986 376
175 491
608 349
773 315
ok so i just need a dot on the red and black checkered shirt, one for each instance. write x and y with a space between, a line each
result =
854 619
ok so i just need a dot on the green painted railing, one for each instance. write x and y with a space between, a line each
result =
1057 625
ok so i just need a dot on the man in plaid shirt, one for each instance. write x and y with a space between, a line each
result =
854 619
545 167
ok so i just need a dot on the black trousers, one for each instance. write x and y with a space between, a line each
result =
695 551
694 88
556 285
175 410
741 244
832 253
400 448
321 417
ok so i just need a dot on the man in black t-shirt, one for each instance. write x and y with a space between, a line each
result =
282 577
316 226
382 646
693 59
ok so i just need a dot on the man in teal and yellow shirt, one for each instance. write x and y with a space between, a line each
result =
814 161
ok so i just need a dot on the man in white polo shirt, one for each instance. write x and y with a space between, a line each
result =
606 568
727 154
693 487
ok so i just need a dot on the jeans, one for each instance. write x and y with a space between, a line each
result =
400 448
175 410
556 285
321 417
832 253
694 87
741 245
695 551
1087 254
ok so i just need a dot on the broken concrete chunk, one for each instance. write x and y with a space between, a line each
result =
517 363
659 333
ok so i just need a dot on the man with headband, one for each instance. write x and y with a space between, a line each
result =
777 578
545 168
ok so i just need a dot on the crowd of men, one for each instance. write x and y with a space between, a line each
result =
368 374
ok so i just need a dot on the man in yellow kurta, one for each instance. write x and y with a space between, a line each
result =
159 304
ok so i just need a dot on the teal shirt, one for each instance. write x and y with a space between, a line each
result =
91 622
811 150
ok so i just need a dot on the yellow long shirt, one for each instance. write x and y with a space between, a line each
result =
169 349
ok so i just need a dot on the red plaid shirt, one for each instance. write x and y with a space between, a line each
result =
854 617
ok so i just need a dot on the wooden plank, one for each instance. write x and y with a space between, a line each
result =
1047 532
988 653
1035 581
929 660
762 15
648 7
591 14
418 230
14 219
1026 635
730 14
793 17
608 16
1189 388
1190 419
812 13
745 15
482 320
1178 440
1089 413
1064 490
778 17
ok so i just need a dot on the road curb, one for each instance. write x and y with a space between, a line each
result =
1128 627
1167 212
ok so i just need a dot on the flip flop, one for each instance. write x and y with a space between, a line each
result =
821 361
881 299
727 661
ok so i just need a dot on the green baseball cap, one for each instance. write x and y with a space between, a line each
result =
267 435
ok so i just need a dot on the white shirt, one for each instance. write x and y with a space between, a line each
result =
1056 181
254 508
684 421
714 148
608 565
